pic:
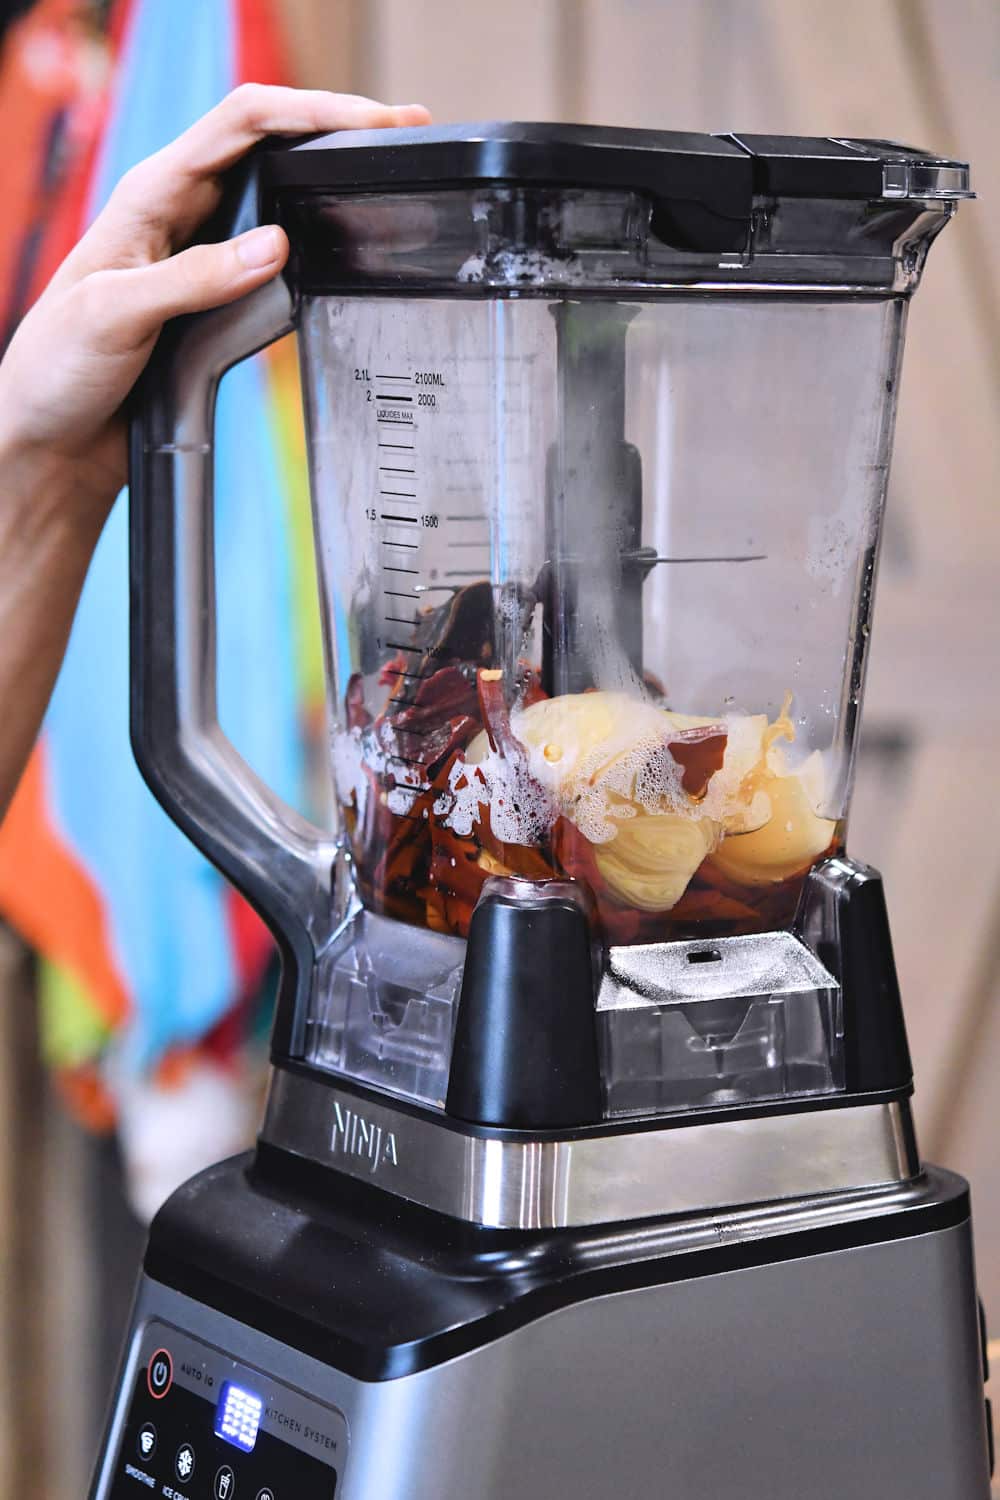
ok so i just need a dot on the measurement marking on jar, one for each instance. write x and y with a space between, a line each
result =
397 646
405 419
399 494
387 568
396 594
410 520
398 620
388 469
410 546
393 377
382 396
400 447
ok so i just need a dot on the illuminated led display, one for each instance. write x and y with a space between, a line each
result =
237 1417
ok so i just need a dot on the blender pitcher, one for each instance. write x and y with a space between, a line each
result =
599 425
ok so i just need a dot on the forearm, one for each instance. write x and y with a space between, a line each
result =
51 516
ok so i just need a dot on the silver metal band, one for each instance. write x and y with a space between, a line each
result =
598 1178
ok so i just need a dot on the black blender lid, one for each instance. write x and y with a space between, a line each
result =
798 166
720 172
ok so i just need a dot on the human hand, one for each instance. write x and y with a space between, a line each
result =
83 345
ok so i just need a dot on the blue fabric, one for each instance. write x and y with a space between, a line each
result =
165 903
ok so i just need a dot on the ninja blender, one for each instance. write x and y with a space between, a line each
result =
587 1165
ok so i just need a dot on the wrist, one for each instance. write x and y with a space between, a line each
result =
46 492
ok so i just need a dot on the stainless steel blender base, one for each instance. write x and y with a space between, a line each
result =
854 1373
602 1176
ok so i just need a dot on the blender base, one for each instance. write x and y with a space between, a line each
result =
834 1351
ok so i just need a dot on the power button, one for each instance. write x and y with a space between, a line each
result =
160 1374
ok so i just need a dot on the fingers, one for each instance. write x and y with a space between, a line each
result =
254 111
244 117
124 310
160 202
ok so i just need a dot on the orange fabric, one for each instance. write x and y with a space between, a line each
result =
174 1069
70 926
83 1092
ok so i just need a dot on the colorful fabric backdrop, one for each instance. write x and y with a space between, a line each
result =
148 955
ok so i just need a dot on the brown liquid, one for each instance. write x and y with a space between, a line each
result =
412 866
418 870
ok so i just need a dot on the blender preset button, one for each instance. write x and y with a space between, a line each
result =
184 1462
225 1484
160 1374
146 1441
266 1494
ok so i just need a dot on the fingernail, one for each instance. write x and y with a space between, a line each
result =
259 248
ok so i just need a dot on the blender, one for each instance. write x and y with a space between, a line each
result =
587 1164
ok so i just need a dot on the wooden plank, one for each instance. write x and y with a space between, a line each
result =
689 65
468 62
936 646
942 875
65 1334
954 50
325 40
881 792
26 1451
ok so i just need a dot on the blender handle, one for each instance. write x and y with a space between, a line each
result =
274 856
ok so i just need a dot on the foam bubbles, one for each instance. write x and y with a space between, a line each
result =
519 808
349 777
400 799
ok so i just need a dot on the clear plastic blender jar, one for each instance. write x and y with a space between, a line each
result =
599 425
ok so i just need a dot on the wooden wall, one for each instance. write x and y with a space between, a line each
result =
51 1248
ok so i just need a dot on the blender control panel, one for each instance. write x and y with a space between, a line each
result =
202 1426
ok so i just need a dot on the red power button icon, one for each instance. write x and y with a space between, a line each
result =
160 1374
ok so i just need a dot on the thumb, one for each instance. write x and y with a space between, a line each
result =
137 301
